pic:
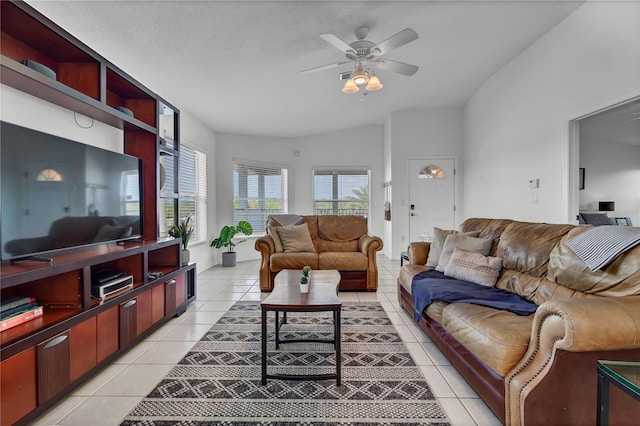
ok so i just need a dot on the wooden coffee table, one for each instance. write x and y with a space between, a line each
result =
286 297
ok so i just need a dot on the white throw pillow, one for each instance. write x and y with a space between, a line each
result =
439 235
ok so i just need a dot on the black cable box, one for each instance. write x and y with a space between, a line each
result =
105 277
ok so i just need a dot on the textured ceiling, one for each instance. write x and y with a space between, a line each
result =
235 65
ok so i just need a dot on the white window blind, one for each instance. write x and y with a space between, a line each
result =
341 192
259 190
192 178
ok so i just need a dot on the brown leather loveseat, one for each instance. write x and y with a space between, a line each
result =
539 369
338 242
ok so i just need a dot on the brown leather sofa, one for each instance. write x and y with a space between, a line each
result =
340 242
539 369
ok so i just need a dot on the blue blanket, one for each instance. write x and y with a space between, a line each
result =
433 285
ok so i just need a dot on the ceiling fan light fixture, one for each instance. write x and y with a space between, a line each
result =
350 87
360 77
374 83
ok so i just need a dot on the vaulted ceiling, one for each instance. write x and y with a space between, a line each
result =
235 65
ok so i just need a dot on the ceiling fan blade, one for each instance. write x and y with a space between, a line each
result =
324 67
395 66
336 42
403 37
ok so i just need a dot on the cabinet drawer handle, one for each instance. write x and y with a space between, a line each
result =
130 303
171 282
55 341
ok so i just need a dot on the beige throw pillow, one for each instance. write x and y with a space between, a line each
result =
276 239
296 238
476 245
439 235
474 267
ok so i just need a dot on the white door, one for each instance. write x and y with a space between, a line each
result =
431 196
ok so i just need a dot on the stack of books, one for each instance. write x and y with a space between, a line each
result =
16 310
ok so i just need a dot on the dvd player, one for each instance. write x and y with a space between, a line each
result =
105 277
110 288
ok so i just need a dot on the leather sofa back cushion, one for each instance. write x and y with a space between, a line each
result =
341 228
536 289
487 228
619 278
296 238
526 247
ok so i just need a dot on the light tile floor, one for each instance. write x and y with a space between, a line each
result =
109 396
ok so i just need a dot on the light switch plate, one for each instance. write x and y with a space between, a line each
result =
534 184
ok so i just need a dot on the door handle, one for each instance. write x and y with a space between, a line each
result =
56 341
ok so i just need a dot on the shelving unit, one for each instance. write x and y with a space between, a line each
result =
44 359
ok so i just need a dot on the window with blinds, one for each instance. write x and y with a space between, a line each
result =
259 190
341 192
192 181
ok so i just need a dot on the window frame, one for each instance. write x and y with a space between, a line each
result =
258 217
336 172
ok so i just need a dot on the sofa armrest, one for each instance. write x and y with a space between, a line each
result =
266 247
369 245
418 252
575 325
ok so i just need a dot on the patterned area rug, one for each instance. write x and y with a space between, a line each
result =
218 381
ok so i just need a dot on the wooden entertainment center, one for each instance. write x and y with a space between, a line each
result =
43 359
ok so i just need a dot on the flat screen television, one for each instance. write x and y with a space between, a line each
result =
56 194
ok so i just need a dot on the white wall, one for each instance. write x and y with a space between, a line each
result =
515 125
28 111
358 148
418 133
612 174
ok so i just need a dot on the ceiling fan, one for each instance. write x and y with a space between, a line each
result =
367 56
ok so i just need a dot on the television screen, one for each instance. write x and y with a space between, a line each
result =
57 193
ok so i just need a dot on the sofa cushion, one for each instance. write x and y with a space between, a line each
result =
474 267
342 261
472 244
525 247
337 246
488 228
621 277
280 261
439 236
296 238
341 228
499 338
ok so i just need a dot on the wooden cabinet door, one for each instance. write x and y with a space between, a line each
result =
144 311
83 348
18 386
108 333
53 366
157 303
175 293
128 321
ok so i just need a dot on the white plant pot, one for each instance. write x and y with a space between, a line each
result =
186 257
304 288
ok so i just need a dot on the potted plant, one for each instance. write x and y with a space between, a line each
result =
225 239
305 279
183 231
